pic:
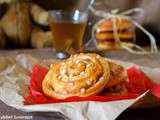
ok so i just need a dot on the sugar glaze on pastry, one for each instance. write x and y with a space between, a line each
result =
80 75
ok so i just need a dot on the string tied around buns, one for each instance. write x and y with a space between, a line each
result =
113 15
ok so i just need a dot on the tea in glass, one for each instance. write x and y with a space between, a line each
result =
68 30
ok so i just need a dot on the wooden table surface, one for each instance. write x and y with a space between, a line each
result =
141 114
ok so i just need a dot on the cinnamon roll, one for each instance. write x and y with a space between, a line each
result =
118 90
118 74
106 25
114 33
80 75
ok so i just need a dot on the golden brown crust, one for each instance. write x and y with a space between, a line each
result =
121 24
107 35
107 38
107 45
81 75
115 91
118 74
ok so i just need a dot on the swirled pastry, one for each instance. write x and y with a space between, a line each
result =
118 74
109 31
107 25
118 90
80 75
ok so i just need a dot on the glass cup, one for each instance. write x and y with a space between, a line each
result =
68 28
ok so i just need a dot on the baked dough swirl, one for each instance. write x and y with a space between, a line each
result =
80 75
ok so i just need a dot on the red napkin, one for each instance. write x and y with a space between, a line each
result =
138 83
